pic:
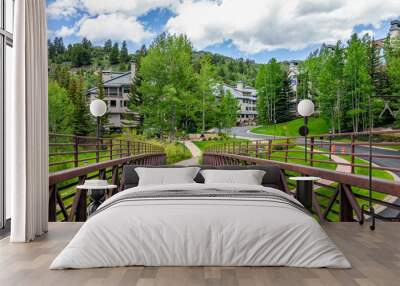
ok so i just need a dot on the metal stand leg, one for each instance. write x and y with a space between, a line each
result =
371 213
97 197
304 193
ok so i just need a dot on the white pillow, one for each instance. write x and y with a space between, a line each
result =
247 177
166 176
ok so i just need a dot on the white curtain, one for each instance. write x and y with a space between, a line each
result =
26 124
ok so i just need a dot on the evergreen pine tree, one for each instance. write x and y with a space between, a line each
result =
107 46
282 101
51 50
101 95
124 56
81 121
114 54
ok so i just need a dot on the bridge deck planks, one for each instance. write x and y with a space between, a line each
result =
375 257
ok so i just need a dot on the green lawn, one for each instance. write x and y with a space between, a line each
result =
325 190
298 158
316 126
208 143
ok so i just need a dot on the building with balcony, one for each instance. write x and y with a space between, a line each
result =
116 90
247 99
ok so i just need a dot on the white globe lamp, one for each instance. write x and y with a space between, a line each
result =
98 108
305 108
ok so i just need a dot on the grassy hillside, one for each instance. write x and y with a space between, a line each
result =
316 126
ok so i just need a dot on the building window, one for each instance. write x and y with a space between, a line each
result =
126 89
6 44
112 91
113 103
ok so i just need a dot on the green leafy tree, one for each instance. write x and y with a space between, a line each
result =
206 81
303 82
262 114
392 56
62 76
357 84
226 111
330 86
168 85
270 86
81 53
60 109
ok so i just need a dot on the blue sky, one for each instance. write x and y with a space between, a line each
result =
259 30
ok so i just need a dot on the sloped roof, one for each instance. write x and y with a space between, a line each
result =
115 79
238 93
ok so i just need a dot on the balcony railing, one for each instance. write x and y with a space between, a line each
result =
339 196
76 159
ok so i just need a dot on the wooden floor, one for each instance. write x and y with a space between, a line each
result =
375 257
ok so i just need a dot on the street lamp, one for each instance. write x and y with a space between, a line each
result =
305 108
98 108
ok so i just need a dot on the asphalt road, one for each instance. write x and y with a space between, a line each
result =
383 162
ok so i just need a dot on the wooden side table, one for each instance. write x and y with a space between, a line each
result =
304 190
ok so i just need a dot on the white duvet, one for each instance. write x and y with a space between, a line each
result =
200 231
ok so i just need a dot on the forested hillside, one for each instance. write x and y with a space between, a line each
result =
115 56
173 90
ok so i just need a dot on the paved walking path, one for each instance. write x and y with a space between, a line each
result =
196 154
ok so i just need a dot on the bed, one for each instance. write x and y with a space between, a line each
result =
197 224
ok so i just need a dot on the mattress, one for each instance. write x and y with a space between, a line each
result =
201 225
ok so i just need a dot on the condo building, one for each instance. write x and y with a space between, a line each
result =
116 90
247 100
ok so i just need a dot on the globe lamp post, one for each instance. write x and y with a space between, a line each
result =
98 108
305 108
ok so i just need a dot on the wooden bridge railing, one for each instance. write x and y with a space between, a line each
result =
348 145
69 151
341 186
68 204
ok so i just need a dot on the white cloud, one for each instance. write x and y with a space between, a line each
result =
63 8
129 7
65 31
107 19
113 26
252 25
68 8
271 24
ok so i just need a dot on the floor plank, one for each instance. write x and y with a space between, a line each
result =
375 257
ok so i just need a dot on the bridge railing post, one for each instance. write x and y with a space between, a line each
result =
352 151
